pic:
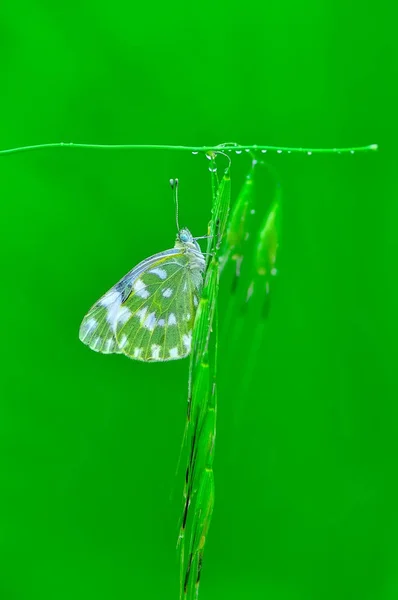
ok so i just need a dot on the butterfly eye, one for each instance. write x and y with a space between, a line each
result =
184 237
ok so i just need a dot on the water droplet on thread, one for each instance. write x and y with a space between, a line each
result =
352 151
309 153
263 151
247 150
238 151
279 151
195 152
213 169
289 151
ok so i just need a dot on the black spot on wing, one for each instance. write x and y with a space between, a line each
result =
124 288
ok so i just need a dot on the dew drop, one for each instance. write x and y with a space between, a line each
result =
238 151
279 151
195 152
263 151
352 151
289 151
213 169
247 150
309 153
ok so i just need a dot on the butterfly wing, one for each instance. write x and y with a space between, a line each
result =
160 311
98 327
148 315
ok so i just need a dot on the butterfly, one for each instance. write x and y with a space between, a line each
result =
149 314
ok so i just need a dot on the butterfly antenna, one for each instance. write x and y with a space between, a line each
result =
174 187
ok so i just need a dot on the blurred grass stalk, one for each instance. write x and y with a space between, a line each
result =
249 255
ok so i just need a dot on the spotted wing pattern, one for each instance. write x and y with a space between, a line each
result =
148 315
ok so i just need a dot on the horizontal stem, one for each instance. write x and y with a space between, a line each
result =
224 147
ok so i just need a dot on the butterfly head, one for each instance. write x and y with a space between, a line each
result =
186 241
185 236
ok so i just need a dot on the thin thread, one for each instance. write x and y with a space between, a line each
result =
222 147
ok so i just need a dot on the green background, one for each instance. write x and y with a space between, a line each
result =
306 458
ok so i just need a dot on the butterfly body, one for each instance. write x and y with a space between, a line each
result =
149 314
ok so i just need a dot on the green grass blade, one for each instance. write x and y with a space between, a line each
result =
239 224
265 251
252 238
198 497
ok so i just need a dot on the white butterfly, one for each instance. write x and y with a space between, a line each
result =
149 314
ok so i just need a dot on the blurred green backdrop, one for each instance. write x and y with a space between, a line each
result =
306 491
